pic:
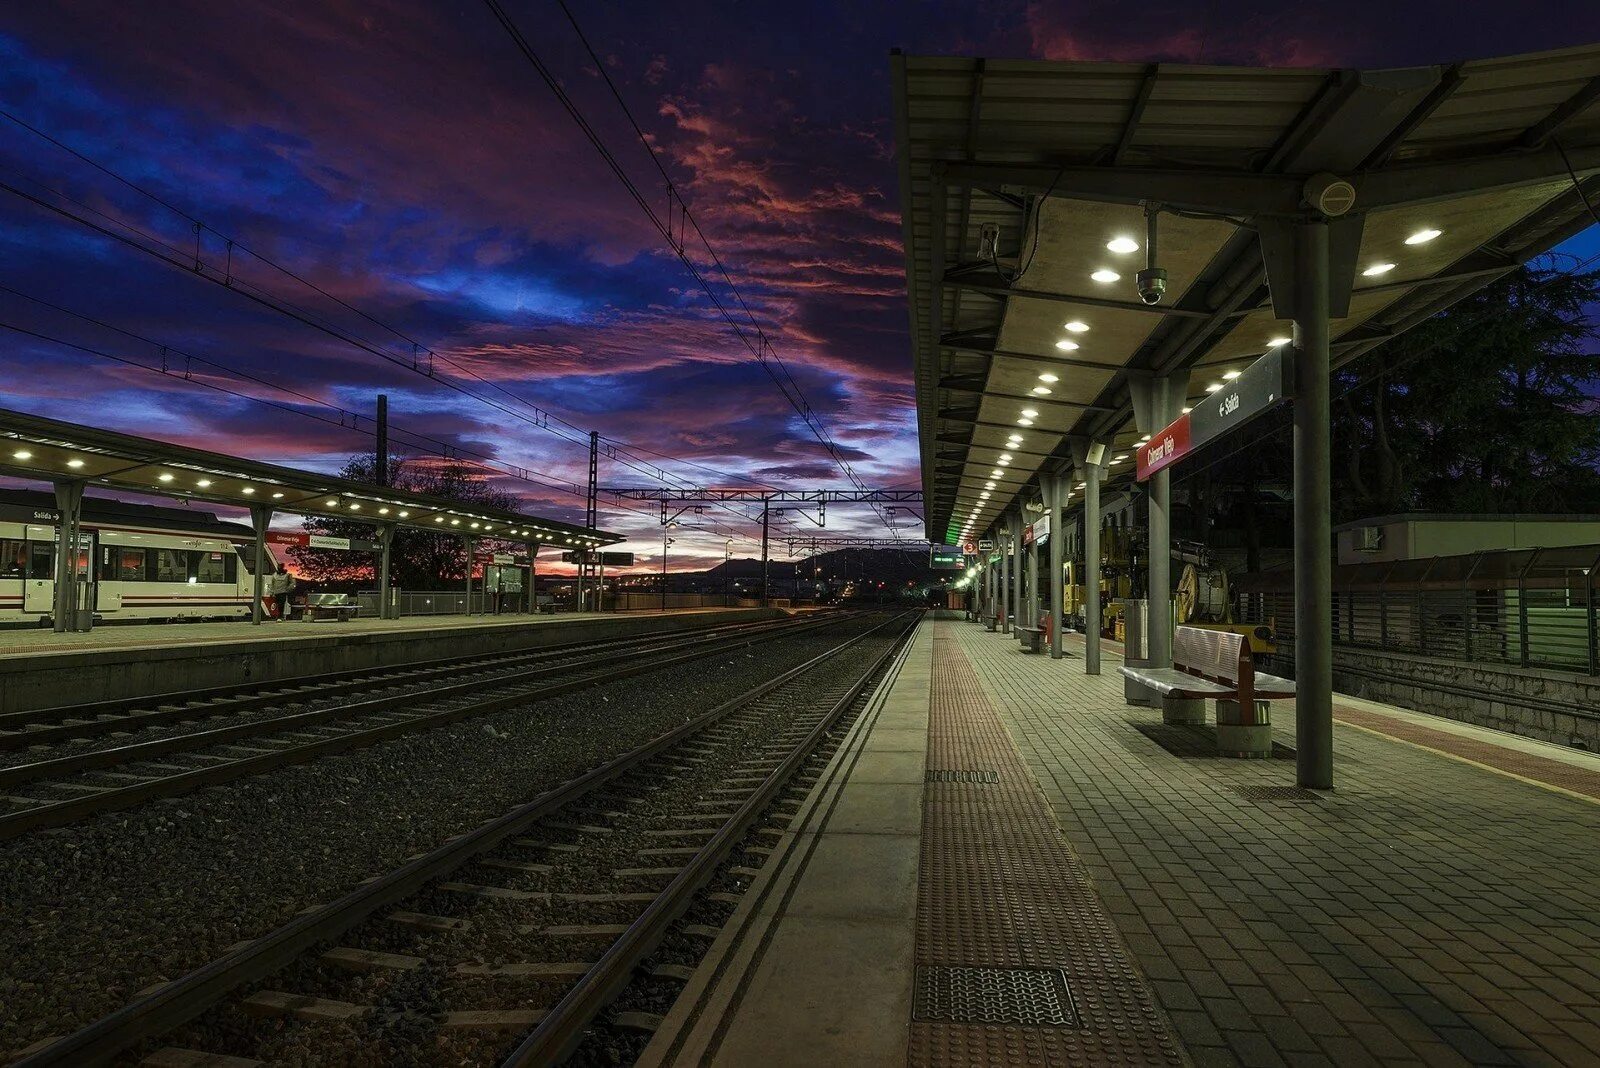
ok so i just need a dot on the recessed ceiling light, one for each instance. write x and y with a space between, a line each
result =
1104 276
1003 463
1144 439
1048 377
988 485
22 454
1041 391
1377 269
1213 387
164 477
404 514
354 507
383 511
984 495
248 491
1029 412
277 496
1119 459
457 523
1422 237
1186 411
1077 326
996 473
1230 375
1005 456
1274 342
74 464
1067 346
1024 422
203 483
1122 244
333 504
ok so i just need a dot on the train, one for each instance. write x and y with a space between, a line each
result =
143 563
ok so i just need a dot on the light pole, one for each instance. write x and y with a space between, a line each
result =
665 542
727 568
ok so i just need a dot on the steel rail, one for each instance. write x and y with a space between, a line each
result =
245 696
559 1033
59 813
80 762
181 1000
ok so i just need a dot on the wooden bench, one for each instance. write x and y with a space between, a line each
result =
1216 665
340 606
1031 637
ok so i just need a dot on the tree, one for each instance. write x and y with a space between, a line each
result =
1484 408
418 560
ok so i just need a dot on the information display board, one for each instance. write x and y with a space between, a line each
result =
946 558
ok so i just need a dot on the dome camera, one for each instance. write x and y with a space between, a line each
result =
1152 282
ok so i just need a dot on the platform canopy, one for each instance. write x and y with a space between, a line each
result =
1460 173
53 451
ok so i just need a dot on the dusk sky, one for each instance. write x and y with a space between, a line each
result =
405 158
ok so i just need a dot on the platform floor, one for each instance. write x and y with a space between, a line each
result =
29 641
1440 906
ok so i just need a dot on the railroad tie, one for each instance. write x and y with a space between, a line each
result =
301 1006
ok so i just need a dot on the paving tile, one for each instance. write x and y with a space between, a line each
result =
1427 911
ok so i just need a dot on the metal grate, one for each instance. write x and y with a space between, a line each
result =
947 775
1037 997
1278 793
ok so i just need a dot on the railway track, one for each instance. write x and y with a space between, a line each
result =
505 944
55 790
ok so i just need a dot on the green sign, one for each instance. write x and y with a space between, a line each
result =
946 558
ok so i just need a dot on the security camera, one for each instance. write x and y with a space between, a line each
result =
1152 283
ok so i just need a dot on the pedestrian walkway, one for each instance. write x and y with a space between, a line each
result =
1440 906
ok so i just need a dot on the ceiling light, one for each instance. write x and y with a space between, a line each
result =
203 483
354 507
22 454
74 464
404 514
1144 439
457 523
1213 387
1119 459
333 504
1229 376
383 511
438 519
1274 342
1186 411
164 477
1104 276
1122 244
988 485
1029 413
1048 377
1041 391
248 491
1422 237
1003 463
983 496
1014 439
277 496
1005 456
1067 346
996 473
1377 269
1024 422
1077 326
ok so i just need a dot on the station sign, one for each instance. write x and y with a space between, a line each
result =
302 540
986 545
605 559
1040 530
946 558
1258 389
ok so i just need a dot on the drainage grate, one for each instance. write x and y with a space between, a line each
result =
1038 997
946 775
1278 793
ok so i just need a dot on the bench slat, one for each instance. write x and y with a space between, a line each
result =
1170 681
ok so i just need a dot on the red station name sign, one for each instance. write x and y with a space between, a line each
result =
1165 448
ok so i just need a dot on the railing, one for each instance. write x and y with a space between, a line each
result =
1527 607
441 603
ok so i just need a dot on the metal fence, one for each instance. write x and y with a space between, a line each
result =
1530 607
441 603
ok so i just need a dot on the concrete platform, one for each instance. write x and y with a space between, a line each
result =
1441 906
41 669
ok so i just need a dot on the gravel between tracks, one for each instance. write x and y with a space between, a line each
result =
98 911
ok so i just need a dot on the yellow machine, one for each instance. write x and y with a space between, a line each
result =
1203 602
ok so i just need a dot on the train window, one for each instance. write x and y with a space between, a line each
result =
126 565
209 566
41 560
13 558
172 565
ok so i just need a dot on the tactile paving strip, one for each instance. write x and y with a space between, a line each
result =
946 775
1037 996
1000 892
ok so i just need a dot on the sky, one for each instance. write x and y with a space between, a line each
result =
397 173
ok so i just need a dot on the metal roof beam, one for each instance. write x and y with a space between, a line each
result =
993 285
1195 189
1430 182
1048 363
1536 135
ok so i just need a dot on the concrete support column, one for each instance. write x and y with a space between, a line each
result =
69 502
1003 539
1019 578
385 544
1055 497
1090 461
469 544
533 577
1032 600
1157 402
260 517
1313 513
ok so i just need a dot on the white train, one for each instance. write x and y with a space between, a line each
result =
143 563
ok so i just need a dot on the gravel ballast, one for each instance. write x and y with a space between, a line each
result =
98 911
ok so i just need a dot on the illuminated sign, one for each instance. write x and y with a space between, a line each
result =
1259 388
946 558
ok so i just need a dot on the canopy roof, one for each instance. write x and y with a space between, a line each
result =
46 449
1057 158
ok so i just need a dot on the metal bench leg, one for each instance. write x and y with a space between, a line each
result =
1236 738
1184 710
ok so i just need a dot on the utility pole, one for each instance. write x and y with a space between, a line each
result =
766 512
380 470
665 541
589 510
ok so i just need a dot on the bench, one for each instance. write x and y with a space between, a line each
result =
1031 637
340 606
1216 665
991 622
